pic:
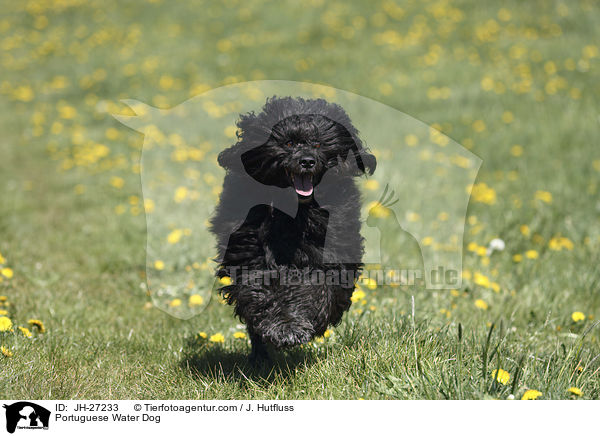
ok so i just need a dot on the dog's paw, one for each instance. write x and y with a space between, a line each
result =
288 333
259 359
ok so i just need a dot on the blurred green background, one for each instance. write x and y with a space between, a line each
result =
517 83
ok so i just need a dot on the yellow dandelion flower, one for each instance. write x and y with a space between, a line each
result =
176 302
6 351
166 82
117 182
225 281
372 185
203 335
180 194
427 241
544 196
195 300
590 51
149 205
501 376
327 333
479 126
482 193
524 229
531 394
378 210
516 150
5 324
371 283
575 391
175 236
531 254
567 243
508 117
24 93
487 83
3 312
159 265
26 332
481 304
230 131
559 242
38 324
217 338
239 335
7 272
357 295
111 133
386 88
411 140
578 316
413 217
481 280
67 112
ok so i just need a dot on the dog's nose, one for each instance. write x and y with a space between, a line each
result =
307 162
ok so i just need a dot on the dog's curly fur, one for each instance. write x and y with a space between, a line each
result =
294 144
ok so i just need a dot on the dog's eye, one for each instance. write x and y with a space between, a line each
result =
289 143
317 145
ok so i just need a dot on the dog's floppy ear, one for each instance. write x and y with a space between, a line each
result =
366 161
356 163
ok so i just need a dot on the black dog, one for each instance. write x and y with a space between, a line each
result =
307 152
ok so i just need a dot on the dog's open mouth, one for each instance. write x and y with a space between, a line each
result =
303 184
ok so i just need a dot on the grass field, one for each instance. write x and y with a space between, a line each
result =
517 84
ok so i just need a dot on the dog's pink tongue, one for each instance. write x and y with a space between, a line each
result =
303 185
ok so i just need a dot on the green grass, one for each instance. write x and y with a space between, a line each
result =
80 267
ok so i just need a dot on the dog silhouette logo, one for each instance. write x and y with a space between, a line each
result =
411 258
26 415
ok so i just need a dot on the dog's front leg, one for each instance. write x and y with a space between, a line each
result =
259 353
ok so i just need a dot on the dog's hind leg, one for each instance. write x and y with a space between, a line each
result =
259 353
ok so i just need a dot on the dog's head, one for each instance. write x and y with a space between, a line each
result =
294 142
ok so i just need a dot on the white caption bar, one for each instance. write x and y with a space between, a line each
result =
76 417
